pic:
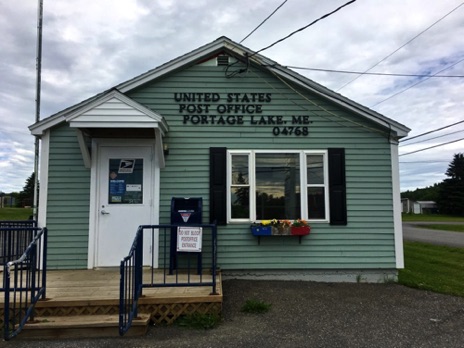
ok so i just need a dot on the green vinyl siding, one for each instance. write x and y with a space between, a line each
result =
368 239
68 202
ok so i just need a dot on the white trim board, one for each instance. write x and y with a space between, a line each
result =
398 225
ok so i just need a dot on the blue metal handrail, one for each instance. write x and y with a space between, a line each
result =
24 282
130 287
131 269
15 237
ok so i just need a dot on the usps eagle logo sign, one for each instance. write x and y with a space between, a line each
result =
126 166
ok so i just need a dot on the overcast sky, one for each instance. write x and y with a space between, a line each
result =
92 45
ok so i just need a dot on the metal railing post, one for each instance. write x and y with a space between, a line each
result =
33 267
6 319
44 262
138 266
122 311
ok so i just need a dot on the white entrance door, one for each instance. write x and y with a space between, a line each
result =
125 201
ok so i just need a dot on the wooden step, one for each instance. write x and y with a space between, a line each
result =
82 326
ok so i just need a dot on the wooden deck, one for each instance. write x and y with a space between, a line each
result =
103 284
95 294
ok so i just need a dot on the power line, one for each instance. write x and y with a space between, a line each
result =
307 26
404 90
246 37
432 131
440 136
388 56
431 147
368 73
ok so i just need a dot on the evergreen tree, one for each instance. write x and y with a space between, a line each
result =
26 196
456 167
451 194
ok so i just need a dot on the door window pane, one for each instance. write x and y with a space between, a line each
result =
125 181
277 186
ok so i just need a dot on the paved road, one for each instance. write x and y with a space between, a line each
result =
413 232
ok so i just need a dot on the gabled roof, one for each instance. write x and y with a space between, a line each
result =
225 45
123 112
93 113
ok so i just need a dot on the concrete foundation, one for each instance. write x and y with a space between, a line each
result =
329 276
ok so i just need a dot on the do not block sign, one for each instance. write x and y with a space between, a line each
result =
189 239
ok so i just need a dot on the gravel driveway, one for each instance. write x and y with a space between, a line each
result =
308 314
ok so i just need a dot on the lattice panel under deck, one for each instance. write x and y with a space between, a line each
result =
76 310
168 313
165 314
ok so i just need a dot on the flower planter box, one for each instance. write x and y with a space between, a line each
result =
281 231
261 230
301 231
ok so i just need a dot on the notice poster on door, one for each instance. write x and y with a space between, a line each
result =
189 239
125 181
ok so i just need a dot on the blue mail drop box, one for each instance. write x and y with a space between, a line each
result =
184 211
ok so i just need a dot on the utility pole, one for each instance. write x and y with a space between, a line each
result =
37 106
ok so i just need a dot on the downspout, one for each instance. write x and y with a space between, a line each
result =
37 107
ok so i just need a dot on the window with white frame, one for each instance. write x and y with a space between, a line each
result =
265 185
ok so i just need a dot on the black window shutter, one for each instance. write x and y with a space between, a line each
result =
217 185
337 187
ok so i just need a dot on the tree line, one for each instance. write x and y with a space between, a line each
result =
25 197
448 194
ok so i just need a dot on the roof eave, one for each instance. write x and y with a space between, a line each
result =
400 129
192 57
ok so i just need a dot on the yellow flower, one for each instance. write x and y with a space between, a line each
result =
265 222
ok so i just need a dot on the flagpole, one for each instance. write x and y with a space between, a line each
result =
37 106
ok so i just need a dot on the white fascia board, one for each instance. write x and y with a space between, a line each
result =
399 129
69 115
40 128
177 63
119 96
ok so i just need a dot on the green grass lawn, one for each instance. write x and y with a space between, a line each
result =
432 217
15 213
433 267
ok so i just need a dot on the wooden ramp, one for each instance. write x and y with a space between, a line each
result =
86 302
